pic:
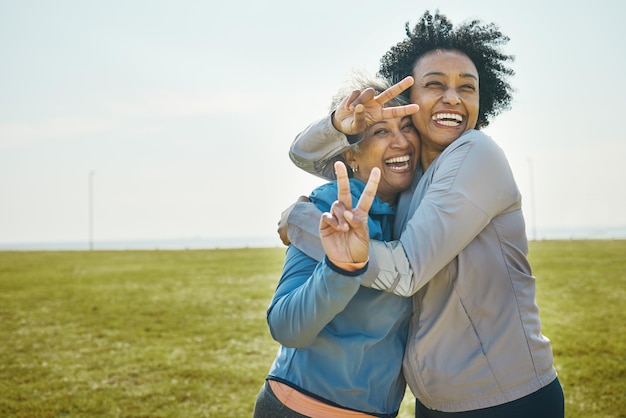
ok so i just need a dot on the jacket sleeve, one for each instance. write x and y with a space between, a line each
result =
389 267
303 229
471 185
317 148
308 296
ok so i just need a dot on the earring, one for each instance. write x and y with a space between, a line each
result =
355 169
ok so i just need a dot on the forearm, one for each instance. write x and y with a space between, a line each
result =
426 246
303 230
472 184
297 317
316 148
389 269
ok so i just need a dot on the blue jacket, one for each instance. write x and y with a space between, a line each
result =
340 342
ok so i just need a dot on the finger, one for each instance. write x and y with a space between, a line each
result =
359 122
347 102
365 96
394 90
338 211
399 111
356 220
343 185
328 221
367 197
282 234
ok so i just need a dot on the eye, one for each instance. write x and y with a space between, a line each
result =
468 87
379 132
433 84
407 126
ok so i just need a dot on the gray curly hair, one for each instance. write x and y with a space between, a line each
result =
360 81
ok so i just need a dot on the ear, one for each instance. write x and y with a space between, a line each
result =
350 157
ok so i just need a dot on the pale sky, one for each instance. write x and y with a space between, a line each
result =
184 110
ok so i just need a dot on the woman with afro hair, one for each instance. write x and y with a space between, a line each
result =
475 346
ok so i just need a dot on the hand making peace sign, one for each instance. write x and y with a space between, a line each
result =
344 231
361 109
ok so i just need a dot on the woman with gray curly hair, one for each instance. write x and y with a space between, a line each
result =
335 360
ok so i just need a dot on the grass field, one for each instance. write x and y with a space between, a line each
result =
183 333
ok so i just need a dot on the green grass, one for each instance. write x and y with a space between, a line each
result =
581 292
183 333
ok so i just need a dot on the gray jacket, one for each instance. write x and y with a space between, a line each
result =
475 338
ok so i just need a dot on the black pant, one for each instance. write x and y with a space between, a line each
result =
547 402
267 405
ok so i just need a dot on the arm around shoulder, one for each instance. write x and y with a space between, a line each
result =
315 149
470 184
389 269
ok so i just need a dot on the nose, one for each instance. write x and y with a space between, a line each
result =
451 97
400 140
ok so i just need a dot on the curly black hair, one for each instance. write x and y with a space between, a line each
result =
480 42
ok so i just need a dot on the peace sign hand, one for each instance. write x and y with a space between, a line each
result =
361 109
344 231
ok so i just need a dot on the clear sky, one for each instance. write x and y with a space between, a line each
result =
183 111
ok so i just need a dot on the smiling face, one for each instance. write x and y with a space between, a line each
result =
393 146
446 90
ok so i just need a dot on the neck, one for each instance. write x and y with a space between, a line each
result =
389 198
427 158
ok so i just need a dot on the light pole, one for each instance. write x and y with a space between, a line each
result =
91 174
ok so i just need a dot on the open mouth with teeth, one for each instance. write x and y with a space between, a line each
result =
448 119
399 163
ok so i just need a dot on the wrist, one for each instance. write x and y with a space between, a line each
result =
348 266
